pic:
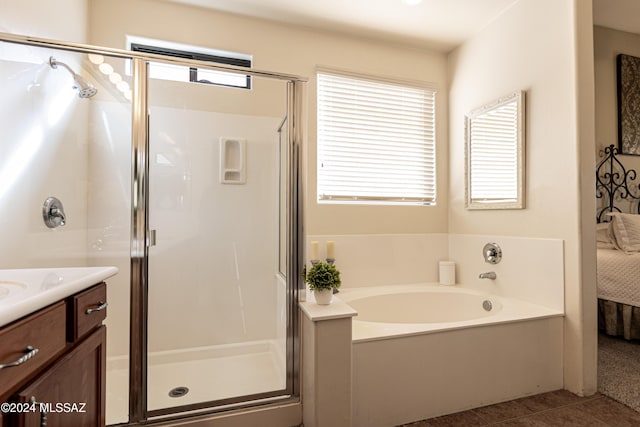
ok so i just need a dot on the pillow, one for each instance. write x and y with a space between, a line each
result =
603 241
603 245
624 231
602 233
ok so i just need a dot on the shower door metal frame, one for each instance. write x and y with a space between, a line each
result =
138 411
295 247
139 299
139 256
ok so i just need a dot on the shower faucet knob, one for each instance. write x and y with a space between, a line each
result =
53 213
492 253
59 215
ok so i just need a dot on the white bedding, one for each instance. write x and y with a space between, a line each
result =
619 276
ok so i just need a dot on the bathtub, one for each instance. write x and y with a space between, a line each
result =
425 350
388 311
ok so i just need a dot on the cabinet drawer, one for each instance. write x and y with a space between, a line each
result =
44 331
88 310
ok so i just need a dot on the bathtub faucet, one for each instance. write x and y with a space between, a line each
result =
490 275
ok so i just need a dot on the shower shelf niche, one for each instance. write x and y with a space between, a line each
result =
232 160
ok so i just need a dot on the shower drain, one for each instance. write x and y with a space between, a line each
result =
486 304
178 391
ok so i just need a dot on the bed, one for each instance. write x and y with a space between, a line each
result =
618 239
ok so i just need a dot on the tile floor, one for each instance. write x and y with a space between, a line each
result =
554 409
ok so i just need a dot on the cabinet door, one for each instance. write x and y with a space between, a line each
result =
72 391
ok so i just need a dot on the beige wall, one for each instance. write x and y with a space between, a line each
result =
608 44
531 47
61 19
294 50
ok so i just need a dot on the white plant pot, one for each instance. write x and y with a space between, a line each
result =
323 296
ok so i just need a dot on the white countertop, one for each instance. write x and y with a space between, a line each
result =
23 291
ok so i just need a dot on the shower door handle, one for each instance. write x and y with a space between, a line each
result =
152 238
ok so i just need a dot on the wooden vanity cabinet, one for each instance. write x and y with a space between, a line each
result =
67 386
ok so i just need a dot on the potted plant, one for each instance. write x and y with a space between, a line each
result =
323 278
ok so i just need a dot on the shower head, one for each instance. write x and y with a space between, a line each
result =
85 89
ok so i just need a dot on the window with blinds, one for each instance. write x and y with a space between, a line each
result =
376 141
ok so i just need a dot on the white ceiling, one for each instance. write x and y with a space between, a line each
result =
437 24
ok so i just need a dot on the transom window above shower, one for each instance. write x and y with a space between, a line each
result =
376 140
181 73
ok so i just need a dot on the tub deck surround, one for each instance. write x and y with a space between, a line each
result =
338 309
23 291
403 379
402 372
442 308
326 359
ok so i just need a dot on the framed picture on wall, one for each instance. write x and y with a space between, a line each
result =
628 70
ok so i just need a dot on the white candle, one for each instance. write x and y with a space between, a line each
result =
314 250
331 249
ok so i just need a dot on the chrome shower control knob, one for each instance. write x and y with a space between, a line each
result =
53 213
492 253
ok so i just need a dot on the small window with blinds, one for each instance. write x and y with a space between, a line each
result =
376 141
495 155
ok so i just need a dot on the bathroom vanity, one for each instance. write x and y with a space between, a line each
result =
52 358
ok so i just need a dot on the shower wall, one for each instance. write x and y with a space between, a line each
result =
79 150
211 255
109 210
210 251
44 133
215 242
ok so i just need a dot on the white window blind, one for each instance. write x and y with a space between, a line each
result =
376 141
494 155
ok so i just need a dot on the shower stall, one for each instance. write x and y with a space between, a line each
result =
192 190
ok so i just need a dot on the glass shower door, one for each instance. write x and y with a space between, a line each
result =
217 319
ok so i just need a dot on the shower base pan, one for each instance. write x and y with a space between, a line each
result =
188 376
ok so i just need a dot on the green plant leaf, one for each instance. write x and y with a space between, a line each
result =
323 276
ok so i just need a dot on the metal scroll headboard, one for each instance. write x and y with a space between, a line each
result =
614 183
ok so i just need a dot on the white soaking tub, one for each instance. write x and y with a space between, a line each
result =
426 350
